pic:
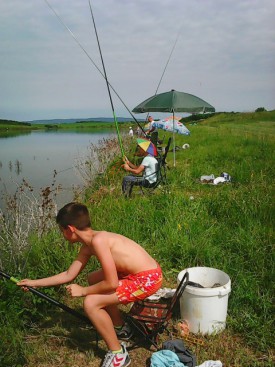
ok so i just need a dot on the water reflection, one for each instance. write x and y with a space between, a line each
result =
41 157
12 134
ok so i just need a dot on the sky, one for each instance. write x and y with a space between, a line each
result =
224 53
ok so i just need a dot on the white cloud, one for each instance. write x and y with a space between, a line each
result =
225 54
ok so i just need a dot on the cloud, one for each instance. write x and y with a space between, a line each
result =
225 54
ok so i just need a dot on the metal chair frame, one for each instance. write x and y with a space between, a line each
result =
150 319
161 170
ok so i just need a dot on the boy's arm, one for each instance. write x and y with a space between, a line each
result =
130 164
136 170
110 282
64 277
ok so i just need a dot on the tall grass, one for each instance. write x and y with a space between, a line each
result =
228 226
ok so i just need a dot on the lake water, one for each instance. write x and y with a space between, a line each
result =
36 155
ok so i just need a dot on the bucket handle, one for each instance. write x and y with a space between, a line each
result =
223 291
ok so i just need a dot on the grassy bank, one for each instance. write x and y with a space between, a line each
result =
228 226
8 125
13 125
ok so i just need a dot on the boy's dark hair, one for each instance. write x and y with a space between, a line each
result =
74 214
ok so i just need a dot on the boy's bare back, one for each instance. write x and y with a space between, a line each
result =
128 256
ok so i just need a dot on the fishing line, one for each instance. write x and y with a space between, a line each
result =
168 60
107 83
166 65
55 172
95 65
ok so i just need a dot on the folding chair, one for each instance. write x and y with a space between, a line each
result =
163 164
161 169
150 319
154 138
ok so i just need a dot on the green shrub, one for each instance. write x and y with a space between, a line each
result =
260 109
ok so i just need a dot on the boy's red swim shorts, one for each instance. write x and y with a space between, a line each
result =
139 286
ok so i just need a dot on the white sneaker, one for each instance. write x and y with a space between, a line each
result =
118 359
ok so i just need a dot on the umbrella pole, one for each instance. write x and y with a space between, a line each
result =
174 143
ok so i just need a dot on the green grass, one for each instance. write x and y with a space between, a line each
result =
8 125
228 226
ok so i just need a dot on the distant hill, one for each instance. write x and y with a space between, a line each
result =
69 121
15 123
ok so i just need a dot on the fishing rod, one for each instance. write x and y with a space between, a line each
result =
49 299
95 65
107 83
168 60
172 50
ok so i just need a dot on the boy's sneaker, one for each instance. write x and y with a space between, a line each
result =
118 359
125 333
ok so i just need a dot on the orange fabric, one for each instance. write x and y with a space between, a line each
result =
139 286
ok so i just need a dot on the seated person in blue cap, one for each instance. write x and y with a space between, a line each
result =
148 168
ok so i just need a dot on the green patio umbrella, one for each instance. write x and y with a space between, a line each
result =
174 101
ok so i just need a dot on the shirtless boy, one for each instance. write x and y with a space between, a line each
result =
128 273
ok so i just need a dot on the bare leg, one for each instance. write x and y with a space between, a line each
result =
113 311
94 306
115 315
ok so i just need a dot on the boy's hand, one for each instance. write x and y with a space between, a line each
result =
75 290
125 159
125 166
25 283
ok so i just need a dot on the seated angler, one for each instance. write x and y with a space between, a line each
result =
148 168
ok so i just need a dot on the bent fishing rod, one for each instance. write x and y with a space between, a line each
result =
95 65
107 83
49 299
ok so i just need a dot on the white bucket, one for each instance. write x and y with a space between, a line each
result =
205 309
